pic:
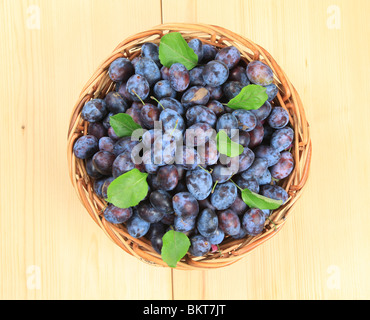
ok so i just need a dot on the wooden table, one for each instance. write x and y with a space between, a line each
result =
52 249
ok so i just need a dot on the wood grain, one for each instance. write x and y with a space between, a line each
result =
42 222
322 252
49 246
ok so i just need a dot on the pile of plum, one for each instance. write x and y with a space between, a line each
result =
194 193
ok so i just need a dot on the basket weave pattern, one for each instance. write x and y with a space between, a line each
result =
231 250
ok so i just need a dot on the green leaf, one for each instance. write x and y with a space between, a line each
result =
226 146
249 98
123 124
175 246
174 49
255 200
128 189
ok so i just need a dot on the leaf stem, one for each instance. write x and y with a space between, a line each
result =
156 100
213 189
275 226
236 185
138 97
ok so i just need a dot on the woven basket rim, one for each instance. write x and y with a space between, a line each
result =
231 250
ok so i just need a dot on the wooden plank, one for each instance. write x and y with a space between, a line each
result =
50 247
323 250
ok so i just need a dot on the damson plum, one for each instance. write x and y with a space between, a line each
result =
85 147
98 185
239 206
229 55
148 69
256 170
97 130
269 153
151 50
216 106
195 95
135 115
216 93
243 161
215 73
148 213
157 242
91 170
246 119
168 177
106 144
106 120
263 112
115 102
117 215
124 144
136 226
149 114
172 103
209 53
162 201
229 123
259 73
184 204
199 183
254 221
207 222
229 222
184 224
200 246
278 118
274 192
94 110
122 164
224 195
148 138
281 139
112 134
217 237
250 184
157 229
197 46
208 153
221 174
196 78
198 134
165 73
239 74
162 89
242 233
179 77
284 167
149 165
272 91
138 87
171 120
231 89
103 161
187 157
199 113
164 150
122 90
244 138
256 136
104 188
265 178
121 69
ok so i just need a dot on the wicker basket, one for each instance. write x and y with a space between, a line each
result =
231 250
